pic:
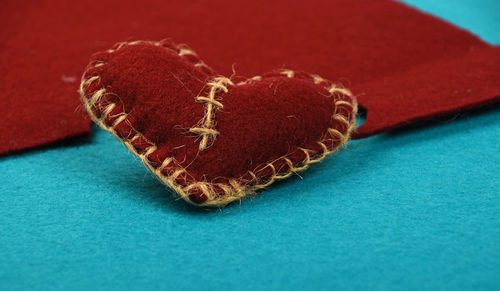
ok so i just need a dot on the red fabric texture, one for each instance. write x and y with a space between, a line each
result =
146 93
374 47
433 89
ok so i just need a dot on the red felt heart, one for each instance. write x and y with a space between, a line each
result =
213 139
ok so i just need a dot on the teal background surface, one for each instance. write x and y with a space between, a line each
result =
409 210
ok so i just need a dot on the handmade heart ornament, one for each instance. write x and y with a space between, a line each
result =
214 139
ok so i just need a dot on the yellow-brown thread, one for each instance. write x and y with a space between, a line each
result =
239 189
165 163
135 137
90 80
185 52
288 73
249 80
97 95
121 118
178 173
225 188
317 79
230 194
335 89
341 102
341 118
107 110
254 177
206 130
149 151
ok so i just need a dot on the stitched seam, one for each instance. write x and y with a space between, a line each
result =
207 130
233 190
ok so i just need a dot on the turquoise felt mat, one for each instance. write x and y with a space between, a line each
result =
415 209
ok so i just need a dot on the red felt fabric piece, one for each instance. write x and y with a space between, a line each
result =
45 45
152 94
428 90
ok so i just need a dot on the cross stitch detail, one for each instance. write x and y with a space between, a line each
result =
207 130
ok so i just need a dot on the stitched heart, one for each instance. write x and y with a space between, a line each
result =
213 139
